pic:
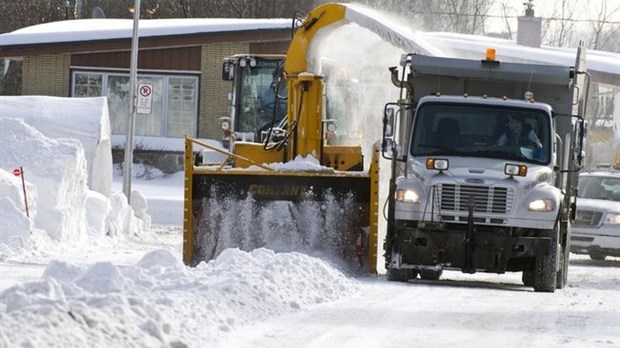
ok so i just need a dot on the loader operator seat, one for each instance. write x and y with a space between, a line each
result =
448 133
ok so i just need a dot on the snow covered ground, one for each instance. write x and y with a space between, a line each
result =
87 270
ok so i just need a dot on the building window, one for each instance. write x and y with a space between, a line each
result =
87 85
181 105
174 110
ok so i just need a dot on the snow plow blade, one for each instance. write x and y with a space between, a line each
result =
332 214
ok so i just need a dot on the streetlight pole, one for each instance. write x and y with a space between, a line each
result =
131 120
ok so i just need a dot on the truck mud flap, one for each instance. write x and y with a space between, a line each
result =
314 213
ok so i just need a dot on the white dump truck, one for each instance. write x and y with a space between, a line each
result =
485 159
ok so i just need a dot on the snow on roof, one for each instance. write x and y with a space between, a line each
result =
109 29
600 61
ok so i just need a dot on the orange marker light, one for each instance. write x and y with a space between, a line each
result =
430 163
490 55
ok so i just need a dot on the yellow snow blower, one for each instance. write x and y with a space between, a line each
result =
295 189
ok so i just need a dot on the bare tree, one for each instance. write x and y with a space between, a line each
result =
508 12
559 28
604 34
18 14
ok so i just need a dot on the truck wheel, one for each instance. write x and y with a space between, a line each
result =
597 256
401 275
545 273
546 268
429 274
528 278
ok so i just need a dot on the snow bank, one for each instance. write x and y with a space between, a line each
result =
84 119
57 168
11 188
61 206
17 225
160 302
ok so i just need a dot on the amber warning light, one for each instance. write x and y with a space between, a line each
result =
490 55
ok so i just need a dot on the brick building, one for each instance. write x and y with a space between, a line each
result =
181 58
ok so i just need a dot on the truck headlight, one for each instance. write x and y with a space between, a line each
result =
612 219
437 164
407 196
515 169
541 205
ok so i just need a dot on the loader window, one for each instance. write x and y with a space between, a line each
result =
252 84
481 130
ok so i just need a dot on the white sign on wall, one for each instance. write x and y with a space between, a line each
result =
145 98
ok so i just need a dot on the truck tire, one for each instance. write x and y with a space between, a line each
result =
429 274
546 267
528 278
401 275
545 273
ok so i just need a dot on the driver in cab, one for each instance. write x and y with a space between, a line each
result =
521 134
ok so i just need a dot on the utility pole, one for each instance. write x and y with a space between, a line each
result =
131 120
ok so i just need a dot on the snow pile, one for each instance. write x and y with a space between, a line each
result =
306 163
309 163
160 302
60 204
57 168
84 119
16 226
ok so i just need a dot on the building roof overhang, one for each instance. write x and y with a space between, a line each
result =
97 35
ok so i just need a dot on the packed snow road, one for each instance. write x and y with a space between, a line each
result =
481 310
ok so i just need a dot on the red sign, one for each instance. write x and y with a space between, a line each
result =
145 90
17 172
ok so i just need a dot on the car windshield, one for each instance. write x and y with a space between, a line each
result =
474 130
599 187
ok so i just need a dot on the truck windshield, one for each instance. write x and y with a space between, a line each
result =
255 90
477 130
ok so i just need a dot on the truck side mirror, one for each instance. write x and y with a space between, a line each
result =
388 122
583 138
387 142
227 71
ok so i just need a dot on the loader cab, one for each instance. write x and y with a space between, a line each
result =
253 80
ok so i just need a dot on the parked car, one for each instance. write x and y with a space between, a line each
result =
596 229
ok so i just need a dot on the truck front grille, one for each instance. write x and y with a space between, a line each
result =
587 218
453 197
